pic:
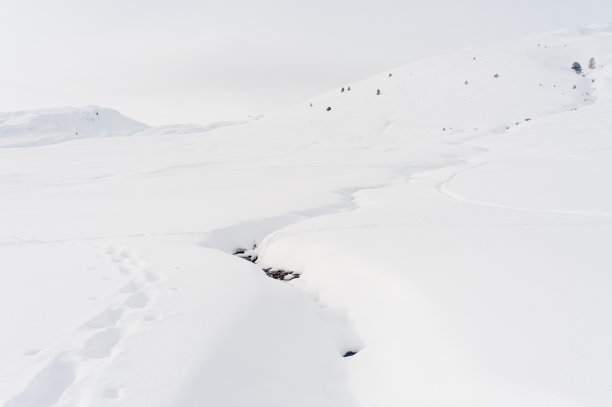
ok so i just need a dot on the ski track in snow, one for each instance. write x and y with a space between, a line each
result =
443 189
447 192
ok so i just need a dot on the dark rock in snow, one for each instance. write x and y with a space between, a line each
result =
281 274
277 274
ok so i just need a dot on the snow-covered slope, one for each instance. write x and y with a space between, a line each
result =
454 235
49 126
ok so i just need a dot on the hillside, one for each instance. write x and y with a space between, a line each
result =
453 237
50 126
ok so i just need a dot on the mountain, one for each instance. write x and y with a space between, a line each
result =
450 238
49 126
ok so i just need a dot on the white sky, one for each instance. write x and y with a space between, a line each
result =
163 61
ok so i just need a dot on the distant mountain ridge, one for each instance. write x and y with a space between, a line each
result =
49 126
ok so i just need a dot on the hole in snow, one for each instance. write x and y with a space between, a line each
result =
277 274
349 353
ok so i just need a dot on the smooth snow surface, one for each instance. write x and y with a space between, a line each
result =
456 236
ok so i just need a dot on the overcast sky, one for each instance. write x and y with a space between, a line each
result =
162 61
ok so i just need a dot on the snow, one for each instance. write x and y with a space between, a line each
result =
459 249
49 126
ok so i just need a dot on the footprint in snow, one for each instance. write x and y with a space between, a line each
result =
130 287
110 317
111 393
125 268
101 344
46 388
32 352
122 256
137 300
151 276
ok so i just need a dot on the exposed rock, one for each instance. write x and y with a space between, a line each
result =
277 274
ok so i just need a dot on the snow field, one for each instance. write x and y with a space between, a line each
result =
461 249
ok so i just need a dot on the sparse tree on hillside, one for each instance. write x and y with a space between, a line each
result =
577 68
